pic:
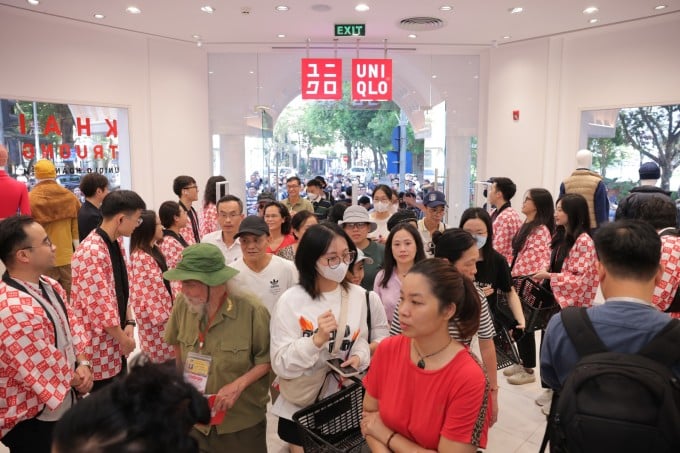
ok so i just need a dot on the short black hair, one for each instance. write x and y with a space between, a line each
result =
13 236
121 201
505 186
629 249
167 212
294 178
401 216
91 182
314 183
658 210
230 197
180 183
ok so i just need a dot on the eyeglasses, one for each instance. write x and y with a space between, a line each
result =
346 258
228 215
355 226
191 187
293 186
139 220
45 243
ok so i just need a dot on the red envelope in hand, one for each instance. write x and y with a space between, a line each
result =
216 417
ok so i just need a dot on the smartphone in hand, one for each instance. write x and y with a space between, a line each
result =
346 371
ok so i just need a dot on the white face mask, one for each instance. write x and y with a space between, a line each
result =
336 275
481 240
382 206
312 197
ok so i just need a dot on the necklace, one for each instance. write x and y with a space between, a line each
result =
421 362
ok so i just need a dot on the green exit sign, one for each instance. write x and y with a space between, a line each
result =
350 30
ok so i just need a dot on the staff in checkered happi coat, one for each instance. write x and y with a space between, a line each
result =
42 363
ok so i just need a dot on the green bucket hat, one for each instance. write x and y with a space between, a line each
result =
202 262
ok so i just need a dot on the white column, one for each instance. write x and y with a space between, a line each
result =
457 178
232 163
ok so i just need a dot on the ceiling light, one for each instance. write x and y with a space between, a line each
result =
412 36
251 72
446 8
207 9
516 10
211 72
507 37
593 21
658 7
362 7
282 8
199 43
590 10
99 16
280 35
33 2
434 76
133 10
196 36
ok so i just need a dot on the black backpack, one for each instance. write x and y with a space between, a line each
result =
617 402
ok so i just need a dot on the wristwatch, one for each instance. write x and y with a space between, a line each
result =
131 322
86 363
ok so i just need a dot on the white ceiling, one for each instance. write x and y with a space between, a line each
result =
471 23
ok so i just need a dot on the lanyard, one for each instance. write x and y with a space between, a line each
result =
203 333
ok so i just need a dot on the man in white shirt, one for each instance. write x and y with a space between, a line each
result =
265 275
229 217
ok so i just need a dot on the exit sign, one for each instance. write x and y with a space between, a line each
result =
350 30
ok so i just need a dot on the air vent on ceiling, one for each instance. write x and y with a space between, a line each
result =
421 23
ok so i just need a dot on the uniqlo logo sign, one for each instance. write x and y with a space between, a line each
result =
371 79
322 78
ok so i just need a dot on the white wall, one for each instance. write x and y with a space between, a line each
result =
162 83
552 80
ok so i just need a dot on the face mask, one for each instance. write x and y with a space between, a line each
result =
312 197
381 206
481 240
336 275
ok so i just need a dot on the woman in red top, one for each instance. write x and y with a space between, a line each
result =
277 218
424 389
150 294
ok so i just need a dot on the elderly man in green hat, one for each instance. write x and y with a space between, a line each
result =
221 342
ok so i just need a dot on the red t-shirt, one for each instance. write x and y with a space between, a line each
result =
424 405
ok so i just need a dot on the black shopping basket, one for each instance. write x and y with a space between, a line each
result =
538 303
333 423
506 350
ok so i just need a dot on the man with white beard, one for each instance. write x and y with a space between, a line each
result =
221 342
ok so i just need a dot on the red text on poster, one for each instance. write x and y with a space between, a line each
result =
322 78
371 79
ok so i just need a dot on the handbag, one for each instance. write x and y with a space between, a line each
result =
306 389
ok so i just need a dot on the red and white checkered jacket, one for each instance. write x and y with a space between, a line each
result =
209 220
171 249
93 296
577 284
152 305
505 227
670 280
535 255
33 372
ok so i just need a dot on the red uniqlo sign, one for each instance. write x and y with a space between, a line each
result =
371 79
322 78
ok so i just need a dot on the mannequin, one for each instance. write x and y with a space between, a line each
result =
586 182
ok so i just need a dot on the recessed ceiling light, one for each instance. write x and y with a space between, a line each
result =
362 7
196 36
593 21
207 9
280 35
281 8
660 7
412 36
251 72
516 10
446 8
475 77
133 10
590 10
211 72
434 76
507 37
33 2
99 16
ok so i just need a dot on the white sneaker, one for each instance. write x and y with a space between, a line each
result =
512 369
545 398
522 378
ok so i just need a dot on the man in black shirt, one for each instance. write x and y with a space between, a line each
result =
95 187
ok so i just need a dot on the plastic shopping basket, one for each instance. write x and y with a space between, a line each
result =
333 423
538 303
506 350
